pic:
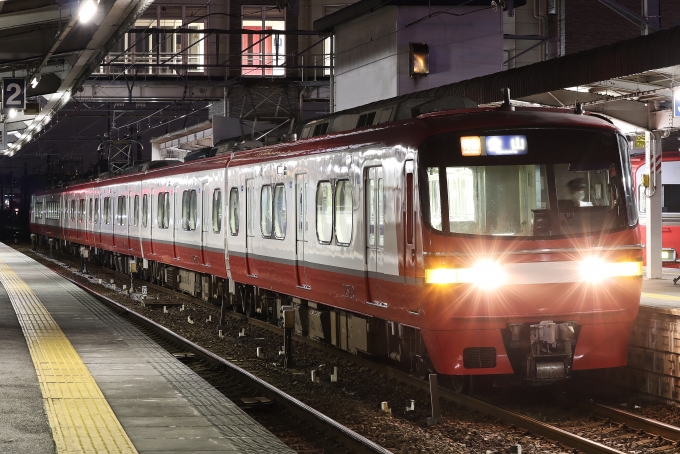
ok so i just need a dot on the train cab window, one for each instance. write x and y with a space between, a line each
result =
189 209
343 213
217 210
95 215
324 212
107 210
266 211
135 211
280 216
121 212
81 210
233 211
91 215
73 210
145 210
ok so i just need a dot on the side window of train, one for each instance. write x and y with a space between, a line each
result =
81 210
107 210
343 213
324 212
233 211
266 211
121 212
145 210
217 210
95 215
280 215
135 211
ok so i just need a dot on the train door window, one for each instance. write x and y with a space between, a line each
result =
266 211
90 217
250 208
193 209
371 212
135 211
81 210
642 199
73 210
343 213
435 198
233 211
280 215
324 212
381 212
163 205
166 211
409 205
121 211
217 210
95 214
107 210
185 210
145 210
37 210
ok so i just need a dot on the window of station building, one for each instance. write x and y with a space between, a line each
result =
165 52
145 210
73 210
233 211
95 215
263 54
37 210
121 213
189 209
217 210
324 212
266 211
343 212
81 210
107 210
280 216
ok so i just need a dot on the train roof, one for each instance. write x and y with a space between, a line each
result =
410 132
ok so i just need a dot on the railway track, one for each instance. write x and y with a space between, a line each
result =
616 425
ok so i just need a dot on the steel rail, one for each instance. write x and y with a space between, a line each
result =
632 420
350 438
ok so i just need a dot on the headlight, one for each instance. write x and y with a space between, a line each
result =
595 270
485 274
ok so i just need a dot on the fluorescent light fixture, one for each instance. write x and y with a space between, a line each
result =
47 118
35 81
28 138
13 113
66 96
87 10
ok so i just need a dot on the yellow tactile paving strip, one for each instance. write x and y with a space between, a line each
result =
81 419
661 296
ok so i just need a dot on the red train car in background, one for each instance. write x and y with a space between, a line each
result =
467 241
670 196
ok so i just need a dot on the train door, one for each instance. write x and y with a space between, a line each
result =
176 199
204 216
153 214
409 226
131 217
301 227
113 216
250 226
375 229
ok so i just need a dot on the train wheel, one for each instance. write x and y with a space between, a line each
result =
462 384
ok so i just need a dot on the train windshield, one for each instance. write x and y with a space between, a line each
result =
527 183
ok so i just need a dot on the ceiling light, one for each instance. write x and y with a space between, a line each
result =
35 81
66 96
87 10
13 113
28 138
47 118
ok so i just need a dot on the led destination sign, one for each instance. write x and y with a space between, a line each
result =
493 145
506 145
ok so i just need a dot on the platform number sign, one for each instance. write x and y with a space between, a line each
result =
13 93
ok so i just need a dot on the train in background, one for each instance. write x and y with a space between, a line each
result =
670 196
451 238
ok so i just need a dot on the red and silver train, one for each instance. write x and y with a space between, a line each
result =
670 195
469 241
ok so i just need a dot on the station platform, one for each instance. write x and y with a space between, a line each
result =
662 293
75 378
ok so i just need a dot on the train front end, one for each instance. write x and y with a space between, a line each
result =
532 261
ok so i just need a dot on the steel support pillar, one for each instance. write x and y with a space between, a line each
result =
654 205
